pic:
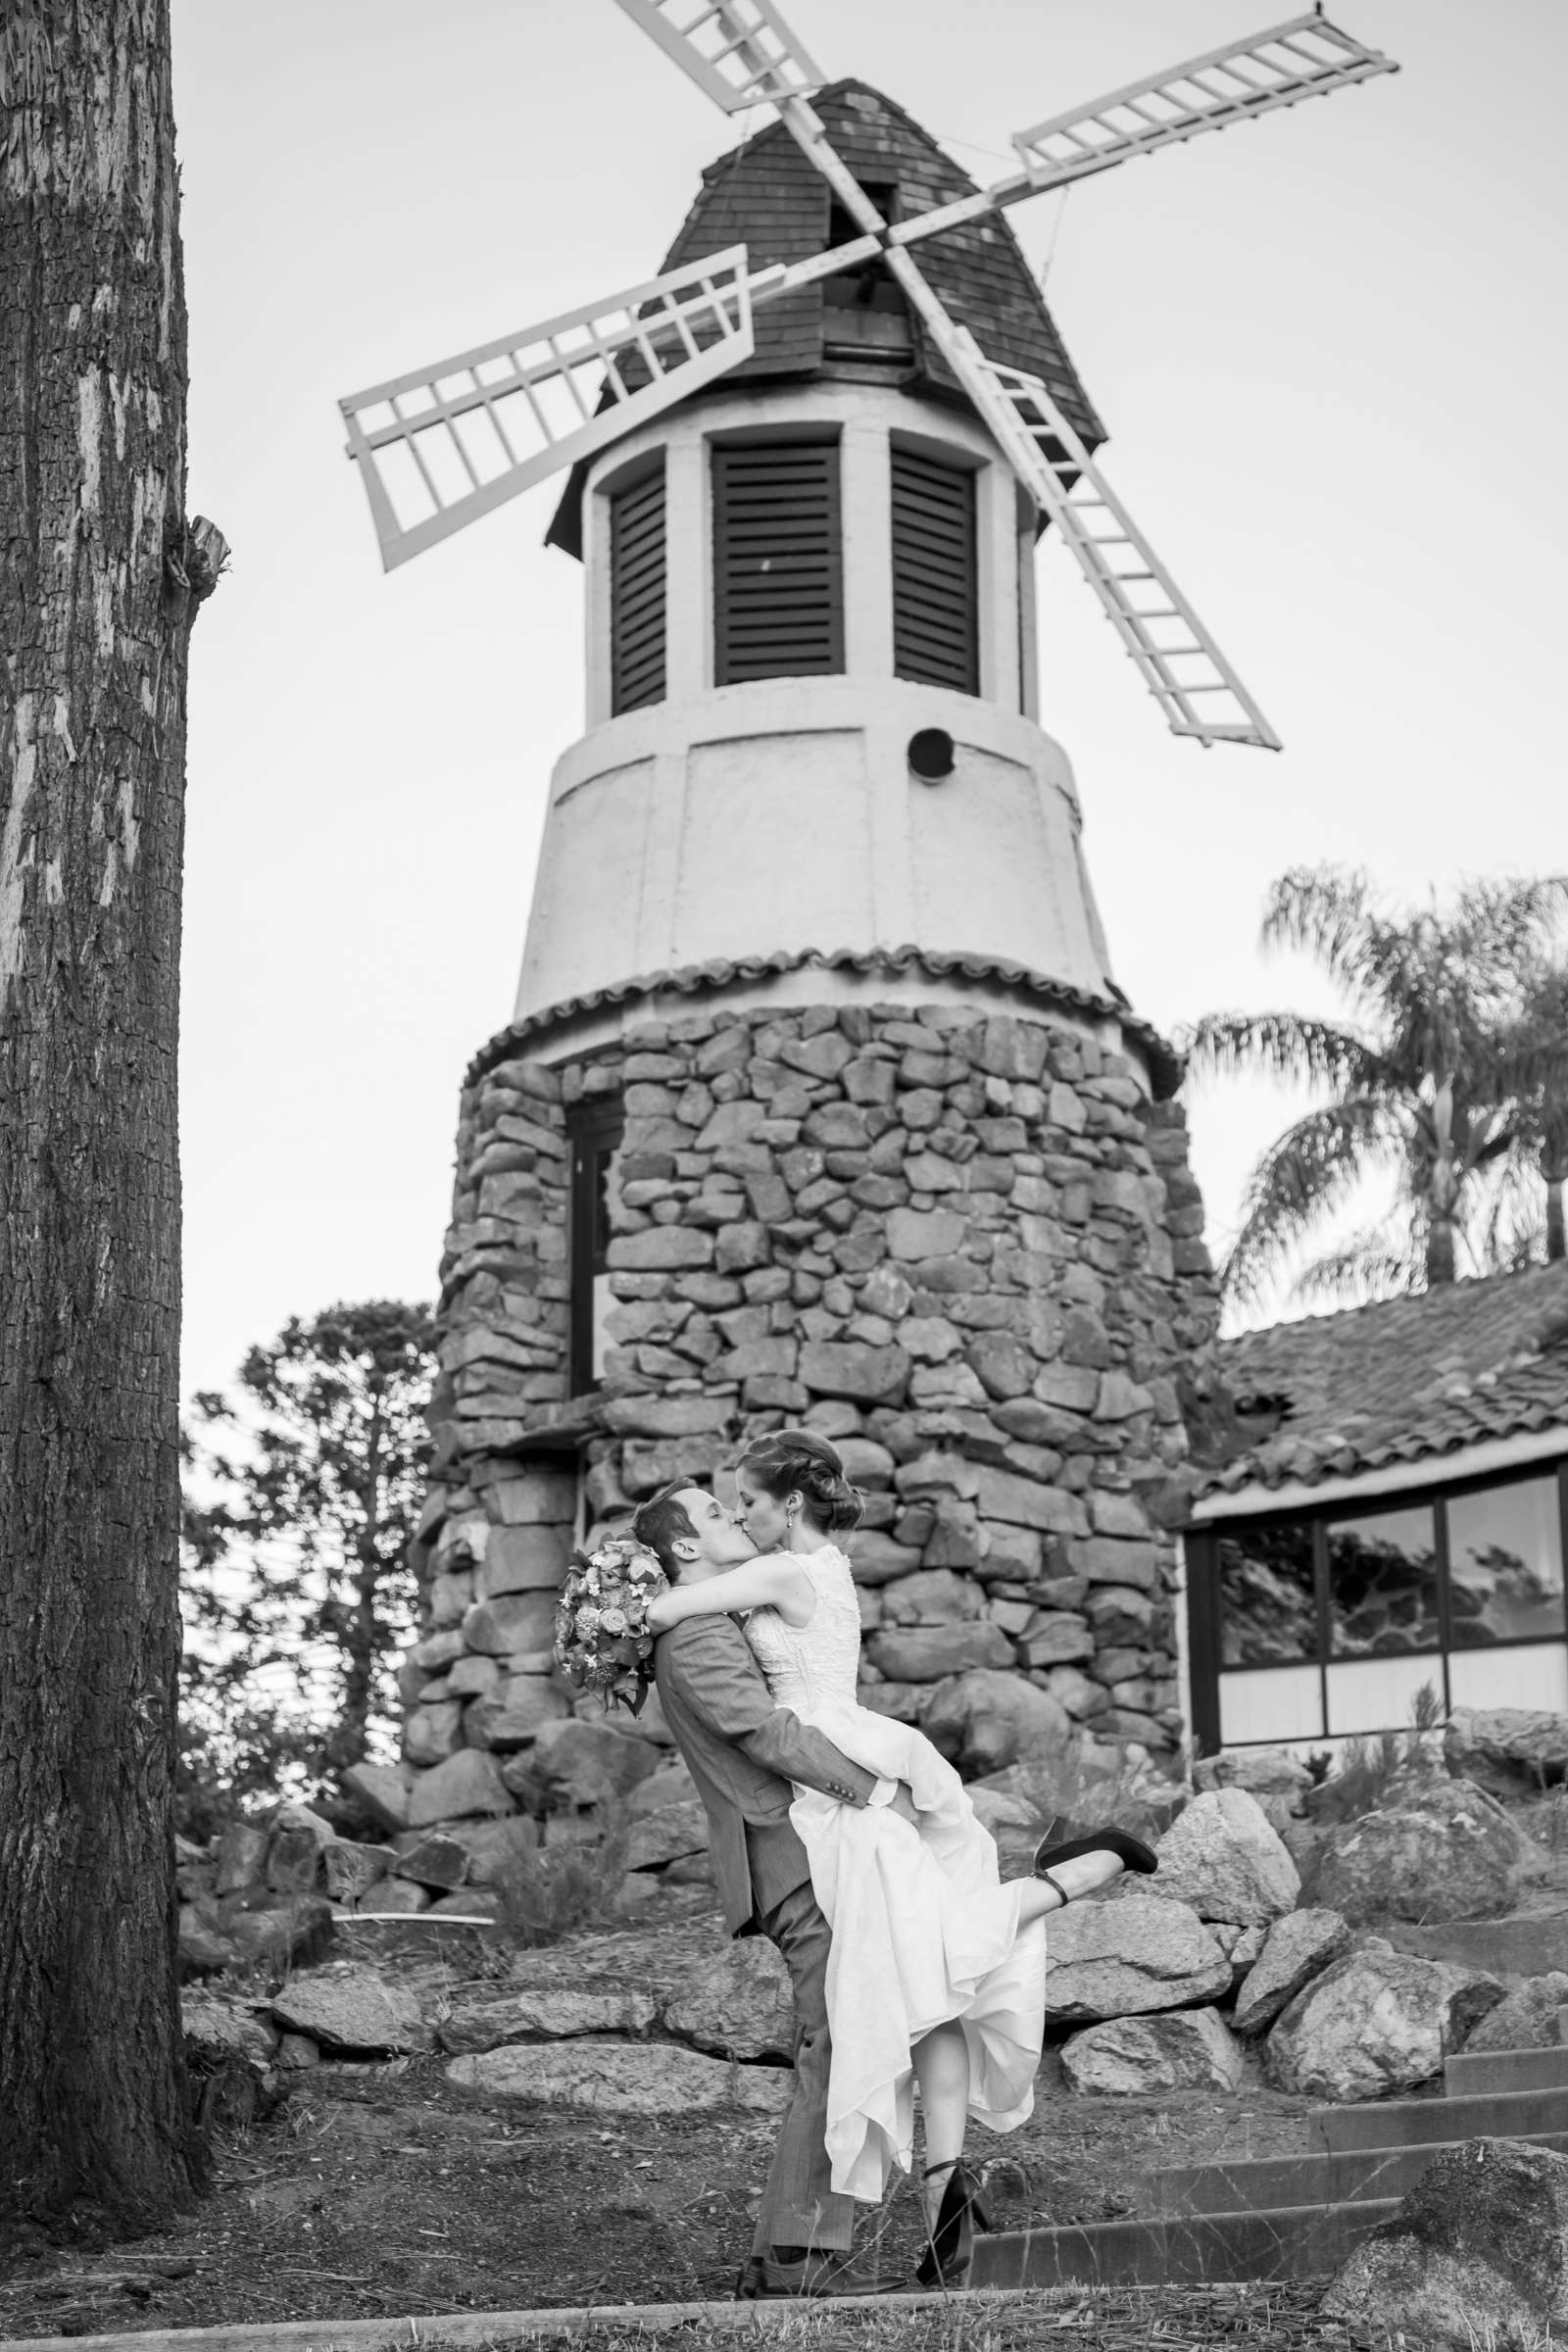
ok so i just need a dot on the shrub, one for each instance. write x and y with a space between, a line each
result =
551 1891
1368 1769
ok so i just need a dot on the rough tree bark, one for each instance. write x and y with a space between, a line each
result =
99 580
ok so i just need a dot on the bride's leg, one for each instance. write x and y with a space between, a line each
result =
1081 1876
941 2070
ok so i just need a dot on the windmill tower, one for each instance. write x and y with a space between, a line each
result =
819 1100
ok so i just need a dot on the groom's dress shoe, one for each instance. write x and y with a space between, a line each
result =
820 2271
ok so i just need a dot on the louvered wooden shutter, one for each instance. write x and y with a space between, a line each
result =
637 594
778 587
936 636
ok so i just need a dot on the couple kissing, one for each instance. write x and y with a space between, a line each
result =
846 1840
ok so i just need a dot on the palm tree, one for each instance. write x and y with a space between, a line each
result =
1428 1080
1537 1040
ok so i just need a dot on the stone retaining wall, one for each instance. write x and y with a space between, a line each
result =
966 1248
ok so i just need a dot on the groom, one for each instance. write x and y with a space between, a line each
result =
743 1753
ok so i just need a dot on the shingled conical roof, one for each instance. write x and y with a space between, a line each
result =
766 196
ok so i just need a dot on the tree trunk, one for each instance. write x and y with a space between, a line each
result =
1441 1253
95 623
1557 1241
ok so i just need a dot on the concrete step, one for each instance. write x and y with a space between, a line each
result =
1264 2184
1505 2070
1422 2123
1303 2242
1529 1945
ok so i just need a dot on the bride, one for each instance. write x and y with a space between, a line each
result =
937 1970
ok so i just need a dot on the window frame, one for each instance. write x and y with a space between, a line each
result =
595 1129
634 483
724 451
966 469
1204 1616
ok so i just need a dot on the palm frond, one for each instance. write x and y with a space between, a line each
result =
1309 1171
1372 1263
1322 910
1283 1045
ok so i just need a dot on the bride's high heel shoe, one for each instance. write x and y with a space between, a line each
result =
949 2246
1131 1852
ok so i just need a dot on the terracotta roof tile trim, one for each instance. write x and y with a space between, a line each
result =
1165 1066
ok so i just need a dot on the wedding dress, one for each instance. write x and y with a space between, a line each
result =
923 1929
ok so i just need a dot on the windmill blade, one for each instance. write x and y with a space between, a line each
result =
740 52
1182 667
1304 58
441 446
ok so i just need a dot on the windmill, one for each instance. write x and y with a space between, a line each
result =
443 444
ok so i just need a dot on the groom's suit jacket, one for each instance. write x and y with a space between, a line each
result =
743 1752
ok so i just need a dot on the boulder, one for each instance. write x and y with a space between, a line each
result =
351 2007
466 1783
1221 1856
431 1860
1510 1750
545 2014
620 2077
1126 1958
524 1559
1376 2022
663 1837
513 1624
1135 2057
575 1762
1526 2018
383 1791
983 1720
432 1733
740 2005
217 2030
394 1896
241 1857
928 1653
854 1369
202 1951
1419 1864
931 1597
670 1784
1262 1771
295 1930
1476 2254
1295 1949
515 1711
352 1868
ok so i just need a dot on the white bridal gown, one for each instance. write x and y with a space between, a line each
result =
923 1929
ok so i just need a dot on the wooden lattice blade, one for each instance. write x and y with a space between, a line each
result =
740 52
1306 56
441 446
1184 670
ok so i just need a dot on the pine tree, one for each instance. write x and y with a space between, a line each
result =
100 577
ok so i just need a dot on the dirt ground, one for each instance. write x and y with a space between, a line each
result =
384 2189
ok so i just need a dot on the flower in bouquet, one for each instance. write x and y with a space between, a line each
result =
603 1639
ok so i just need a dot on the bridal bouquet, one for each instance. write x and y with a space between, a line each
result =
602 1638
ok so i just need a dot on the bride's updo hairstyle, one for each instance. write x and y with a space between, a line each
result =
797 1461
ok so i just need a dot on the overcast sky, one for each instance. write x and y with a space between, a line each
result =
1329 350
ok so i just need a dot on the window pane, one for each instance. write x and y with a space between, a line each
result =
1511 1678
1265 1597
1505 1566
1383 1586
1377 1695
1285 1703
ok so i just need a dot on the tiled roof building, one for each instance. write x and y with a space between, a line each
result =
1395 1518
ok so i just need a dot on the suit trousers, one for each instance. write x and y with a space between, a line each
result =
798 2207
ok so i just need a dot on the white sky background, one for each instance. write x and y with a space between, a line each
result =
1328 347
